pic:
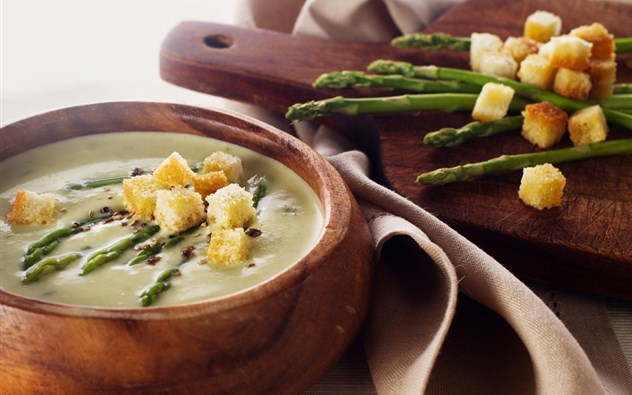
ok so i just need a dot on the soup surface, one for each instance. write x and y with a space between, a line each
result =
290 219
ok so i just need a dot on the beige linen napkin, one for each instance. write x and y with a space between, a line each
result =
446 317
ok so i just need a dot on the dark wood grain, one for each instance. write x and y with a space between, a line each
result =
586 244
276 338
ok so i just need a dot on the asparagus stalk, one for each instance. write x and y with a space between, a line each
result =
148 252
358 79
436 41
115 250
621 89
528 92
48 265
617 102
506 163
259 187
117 180
162 283
623 45
97 183
178 238
432 42
448 102
145 254
51 240
449 137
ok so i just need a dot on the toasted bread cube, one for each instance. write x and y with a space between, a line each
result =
542 25
139 195
32 208
228 247
570 52
544 124
174 171
603 74
602 41
493 102
542 186
221 161
588 125
210 182
178 209
499 65
480 44
546 50
230 207
572 83
535 70
520 47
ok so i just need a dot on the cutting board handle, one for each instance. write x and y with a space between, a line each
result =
265 68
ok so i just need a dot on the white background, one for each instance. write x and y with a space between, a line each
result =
59 53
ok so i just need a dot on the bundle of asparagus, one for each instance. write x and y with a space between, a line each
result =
448 89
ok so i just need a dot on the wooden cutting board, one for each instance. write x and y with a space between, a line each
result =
586 244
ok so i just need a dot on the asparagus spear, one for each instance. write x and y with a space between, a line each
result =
158 248
449 137
448 102
115 250
348 79
117 180
145 254
51 241
528 92
97 183
506 163
623 45
153 290
181 236
48 265
436 41
432 42
617 102
621 89
260 186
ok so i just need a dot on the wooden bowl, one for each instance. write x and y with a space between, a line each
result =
276 338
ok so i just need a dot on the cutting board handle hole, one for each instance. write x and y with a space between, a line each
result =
218 41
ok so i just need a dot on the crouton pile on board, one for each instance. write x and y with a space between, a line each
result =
579 65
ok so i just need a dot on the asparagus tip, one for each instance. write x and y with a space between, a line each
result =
338 79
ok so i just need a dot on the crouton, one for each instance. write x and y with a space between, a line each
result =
228 247
493 102
542 186
174 171
535 70
221 161
544 124
572 83
208 183
139 195
480 44
520 47
230 207
570 52
178 209
602 41
32 208
542 25
499 65
588 125
603 74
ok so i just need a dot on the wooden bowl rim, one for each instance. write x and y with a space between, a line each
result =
333 195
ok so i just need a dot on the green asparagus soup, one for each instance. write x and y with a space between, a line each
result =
93 221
